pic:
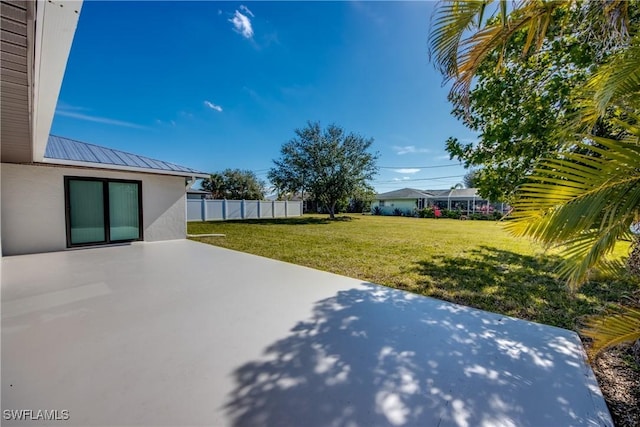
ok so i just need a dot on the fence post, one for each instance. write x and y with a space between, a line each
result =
242 209
286 210
273 208
203 209
224 209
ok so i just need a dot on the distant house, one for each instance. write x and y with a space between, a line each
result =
406 200
59 193
193 194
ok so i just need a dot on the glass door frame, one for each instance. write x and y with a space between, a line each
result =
105 197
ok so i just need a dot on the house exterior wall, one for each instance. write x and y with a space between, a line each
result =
33 206
390 205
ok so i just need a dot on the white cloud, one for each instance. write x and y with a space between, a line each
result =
407 170
96 119
242 24
62 106
408 149
213 106
171 123
246 10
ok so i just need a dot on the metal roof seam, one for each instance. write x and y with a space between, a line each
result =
68 149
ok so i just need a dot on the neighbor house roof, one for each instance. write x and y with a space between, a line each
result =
437 193
404 193
411 193
464 192
455 193
194 191
65 151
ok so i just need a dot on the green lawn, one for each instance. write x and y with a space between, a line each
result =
475 263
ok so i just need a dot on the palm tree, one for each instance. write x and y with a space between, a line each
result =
464 33
582 202
585 203
585 199
616 83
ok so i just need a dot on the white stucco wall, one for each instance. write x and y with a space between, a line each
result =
33 210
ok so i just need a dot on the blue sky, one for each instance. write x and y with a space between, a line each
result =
215 85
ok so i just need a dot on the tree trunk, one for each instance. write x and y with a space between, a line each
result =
633 262
633 265
332 210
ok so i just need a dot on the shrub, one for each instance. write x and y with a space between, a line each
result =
376 210
426 213
453 214
397 212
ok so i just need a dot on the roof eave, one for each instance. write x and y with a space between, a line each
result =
89 165
56 23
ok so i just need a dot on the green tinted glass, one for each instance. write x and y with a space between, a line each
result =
86 212
123 211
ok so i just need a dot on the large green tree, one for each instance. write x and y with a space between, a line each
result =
234 184
585 194
328 164
521 105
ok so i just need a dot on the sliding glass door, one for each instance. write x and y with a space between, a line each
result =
86 212
102 211
124 211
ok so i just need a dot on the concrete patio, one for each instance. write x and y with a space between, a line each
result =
182 333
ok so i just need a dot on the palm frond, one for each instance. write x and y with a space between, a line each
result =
586 251
616 79
609 330
581 203
470 52
450 21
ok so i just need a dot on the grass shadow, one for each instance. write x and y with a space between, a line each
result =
522 286
301 220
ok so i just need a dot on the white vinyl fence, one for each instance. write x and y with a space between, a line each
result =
220 210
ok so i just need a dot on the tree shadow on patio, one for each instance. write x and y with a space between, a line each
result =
518 285
373 356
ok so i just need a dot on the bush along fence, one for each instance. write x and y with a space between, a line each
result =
221 210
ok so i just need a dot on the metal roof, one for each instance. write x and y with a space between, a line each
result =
71 152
